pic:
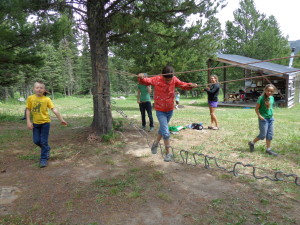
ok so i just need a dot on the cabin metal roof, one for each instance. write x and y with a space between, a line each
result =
265 67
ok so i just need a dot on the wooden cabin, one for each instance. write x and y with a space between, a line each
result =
285 79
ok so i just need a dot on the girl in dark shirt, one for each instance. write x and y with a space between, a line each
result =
212 94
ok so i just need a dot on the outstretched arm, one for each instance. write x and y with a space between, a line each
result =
57 114
145 81
184 85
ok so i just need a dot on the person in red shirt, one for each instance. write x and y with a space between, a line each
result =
164 92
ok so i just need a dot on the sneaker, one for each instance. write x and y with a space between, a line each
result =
270 152
151 129
154 147
43 163
144 127
168 157
251 146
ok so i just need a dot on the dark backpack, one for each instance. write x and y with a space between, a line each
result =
197 126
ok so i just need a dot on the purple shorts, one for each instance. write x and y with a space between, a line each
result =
213 104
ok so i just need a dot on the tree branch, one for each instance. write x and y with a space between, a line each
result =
76 9
160 35
112 5
110 8
84 30
112 37
116 36
75 2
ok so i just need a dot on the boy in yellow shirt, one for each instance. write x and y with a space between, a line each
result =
38 105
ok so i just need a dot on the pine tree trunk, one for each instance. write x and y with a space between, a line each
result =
71 76
102 120
6 95
28 90
52 93
11 92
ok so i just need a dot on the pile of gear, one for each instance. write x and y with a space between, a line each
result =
176 129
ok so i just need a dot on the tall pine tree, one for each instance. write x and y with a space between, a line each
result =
111 23
252 34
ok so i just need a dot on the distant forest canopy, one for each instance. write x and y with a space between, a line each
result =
296 45
48 51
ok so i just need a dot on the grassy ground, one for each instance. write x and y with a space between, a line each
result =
237 125
143 185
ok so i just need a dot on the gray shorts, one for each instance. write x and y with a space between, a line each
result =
266 129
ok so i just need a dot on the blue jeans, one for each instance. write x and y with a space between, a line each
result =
146 106
164 118
40 138
266 129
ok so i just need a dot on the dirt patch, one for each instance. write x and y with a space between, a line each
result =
123 183
9 194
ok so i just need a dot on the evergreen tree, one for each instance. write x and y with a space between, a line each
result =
253 35
23 27
111 23
17 43
51 72
121 83
84 68
67 59
119 21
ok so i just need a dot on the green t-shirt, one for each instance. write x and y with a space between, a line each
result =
145 96
263 110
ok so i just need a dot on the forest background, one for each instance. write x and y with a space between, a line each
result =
76 48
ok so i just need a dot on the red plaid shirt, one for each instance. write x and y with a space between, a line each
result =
164 93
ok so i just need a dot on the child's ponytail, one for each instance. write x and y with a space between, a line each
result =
267 101
267 98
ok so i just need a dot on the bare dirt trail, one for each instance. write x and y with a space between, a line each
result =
65 192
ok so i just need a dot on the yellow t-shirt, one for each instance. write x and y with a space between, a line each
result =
39 108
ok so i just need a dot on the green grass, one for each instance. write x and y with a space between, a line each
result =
120 186
13 220
164 196
237 127
9 118
29 157
69 107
